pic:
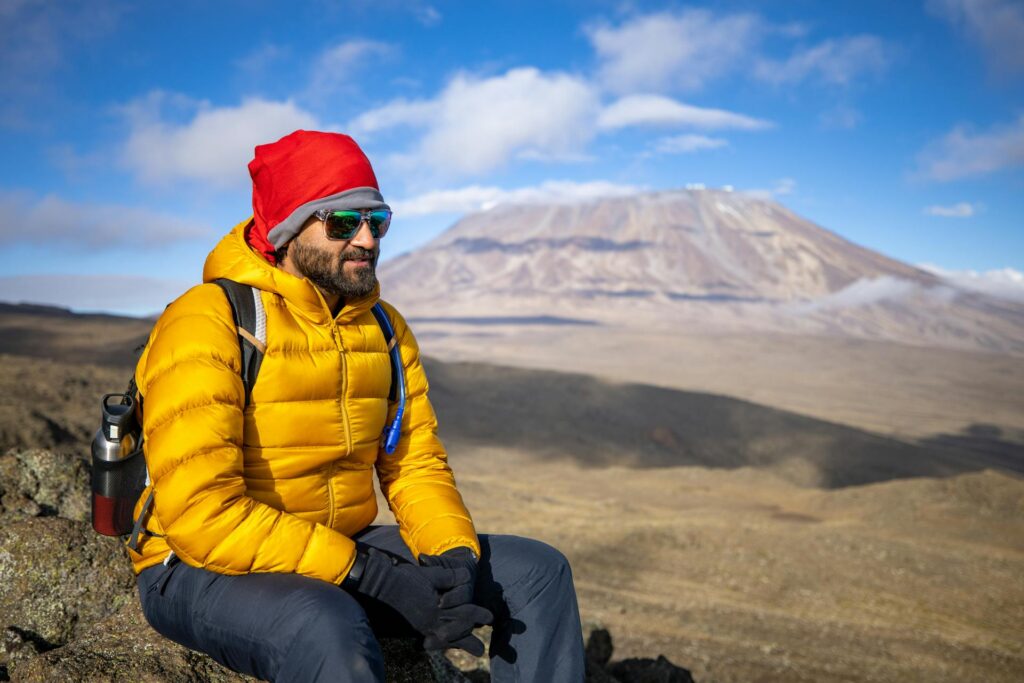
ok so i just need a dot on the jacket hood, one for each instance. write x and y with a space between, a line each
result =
234 259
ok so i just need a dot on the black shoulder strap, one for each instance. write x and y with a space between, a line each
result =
251 339
389 337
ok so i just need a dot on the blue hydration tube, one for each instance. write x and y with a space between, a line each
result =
392 432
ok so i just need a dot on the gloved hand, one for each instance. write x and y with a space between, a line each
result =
456 558
418 594
459 560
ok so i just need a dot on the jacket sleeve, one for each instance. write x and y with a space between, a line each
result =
193 399
416 479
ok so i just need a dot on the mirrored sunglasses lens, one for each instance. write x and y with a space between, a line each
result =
342 225
379 222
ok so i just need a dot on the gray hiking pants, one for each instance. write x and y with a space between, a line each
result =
291 628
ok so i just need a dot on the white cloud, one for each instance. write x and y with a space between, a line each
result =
428 15
478 124
1005 283
213 147
685 144
997 25
55 222
960 210
669 50
123 294
396 113
869 291
962 153
836 62
657 110
783 187
479 198
841 117
334 68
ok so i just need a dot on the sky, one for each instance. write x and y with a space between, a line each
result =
126 127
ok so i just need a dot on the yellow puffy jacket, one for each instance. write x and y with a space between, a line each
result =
282 485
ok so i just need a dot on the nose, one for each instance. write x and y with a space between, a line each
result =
364 237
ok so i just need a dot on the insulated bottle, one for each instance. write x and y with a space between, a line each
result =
118 466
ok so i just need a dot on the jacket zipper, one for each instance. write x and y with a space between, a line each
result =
344 415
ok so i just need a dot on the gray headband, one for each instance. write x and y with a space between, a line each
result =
356 198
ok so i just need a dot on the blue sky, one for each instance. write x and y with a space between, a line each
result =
125 128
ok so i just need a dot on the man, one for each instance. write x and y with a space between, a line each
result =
259 549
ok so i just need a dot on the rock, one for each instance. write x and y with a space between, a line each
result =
599 646
123 647
69 609
658 670
473 668
57 574
40 483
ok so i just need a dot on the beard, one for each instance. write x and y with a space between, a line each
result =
328 273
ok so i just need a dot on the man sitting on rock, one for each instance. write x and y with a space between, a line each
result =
259 547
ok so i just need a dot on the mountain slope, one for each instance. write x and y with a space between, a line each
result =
705 259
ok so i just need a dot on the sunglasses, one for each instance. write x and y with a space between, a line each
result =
343 225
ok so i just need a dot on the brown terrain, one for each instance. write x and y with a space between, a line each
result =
743 542
769 454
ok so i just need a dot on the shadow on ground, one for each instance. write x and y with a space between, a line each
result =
598 423
57 365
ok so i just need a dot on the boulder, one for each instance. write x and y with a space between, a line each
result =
123 647
658 670
39 483
57 575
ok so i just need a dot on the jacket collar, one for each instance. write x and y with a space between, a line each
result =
234 259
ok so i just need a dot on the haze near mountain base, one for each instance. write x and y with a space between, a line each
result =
700 260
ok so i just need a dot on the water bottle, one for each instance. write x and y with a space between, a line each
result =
118 466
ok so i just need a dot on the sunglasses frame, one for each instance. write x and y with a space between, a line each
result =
364 216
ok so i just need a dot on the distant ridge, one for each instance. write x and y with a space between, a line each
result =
61 312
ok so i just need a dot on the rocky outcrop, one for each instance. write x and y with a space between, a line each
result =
69 609
40 483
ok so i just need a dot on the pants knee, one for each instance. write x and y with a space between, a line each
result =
333 635
542 571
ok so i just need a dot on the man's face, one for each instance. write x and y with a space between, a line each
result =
346 268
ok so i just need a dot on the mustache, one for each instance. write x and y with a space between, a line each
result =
357 254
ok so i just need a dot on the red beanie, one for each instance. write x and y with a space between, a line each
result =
301 173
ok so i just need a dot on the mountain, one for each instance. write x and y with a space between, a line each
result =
704 259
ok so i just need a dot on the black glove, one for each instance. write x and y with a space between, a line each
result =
418 594
460 560
456 558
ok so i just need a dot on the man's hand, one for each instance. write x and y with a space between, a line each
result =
421 595
462 561
456 558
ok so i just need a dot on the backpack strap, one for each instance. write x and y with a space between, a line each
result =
251 323
389 337
393 432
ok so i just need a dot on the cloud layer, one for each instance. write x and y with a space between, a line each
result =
959 210
125 294
657 110
213 146
962 152
1005 283
57 223
481 198
672 51
997 26
833 62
